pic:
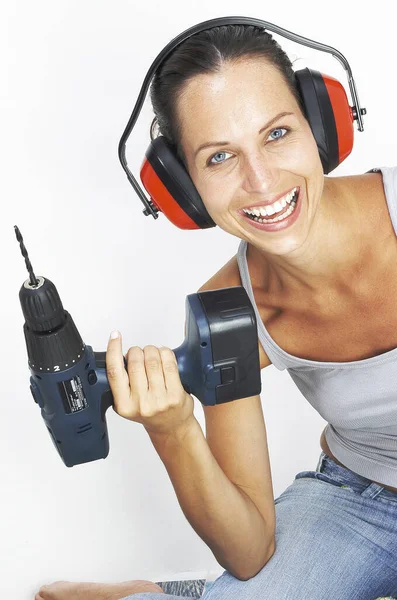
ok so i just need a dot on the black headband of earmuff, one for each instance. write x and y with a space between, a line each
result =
358 112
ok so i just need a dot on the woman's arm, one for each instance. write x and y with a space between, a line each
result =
236 520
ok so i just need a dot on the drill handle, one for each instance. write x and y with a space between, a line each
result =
100 365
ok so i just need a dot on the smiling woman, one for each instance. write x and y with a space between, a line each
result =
316 276
247 132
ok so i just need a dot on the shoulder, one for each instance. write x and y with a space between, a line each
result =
358 182
363 184
229 276
363 189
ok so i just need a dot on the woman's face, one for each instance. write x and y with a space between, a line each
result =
248 146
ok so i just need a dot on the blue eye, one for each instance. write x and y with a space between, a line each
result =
278 130
213 160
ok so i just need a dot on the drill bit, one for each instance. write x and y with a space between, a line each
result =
33 279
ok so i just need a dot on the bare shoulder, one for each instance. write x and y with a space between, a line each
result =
366 191
362 185
229 276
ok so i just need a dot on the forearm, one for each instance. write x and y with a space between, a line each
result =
222 515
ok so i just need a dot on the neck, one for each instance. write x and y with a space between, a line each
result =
336 250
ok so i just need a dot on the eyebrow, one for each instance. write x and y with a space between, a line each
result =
210 144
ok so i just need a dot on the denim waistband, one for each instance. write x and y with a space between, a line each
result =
347 478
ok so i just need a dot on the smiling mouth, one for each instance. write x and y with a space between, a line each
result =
284 213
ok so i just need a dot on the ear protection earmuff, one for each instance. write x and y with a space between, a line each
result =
326 107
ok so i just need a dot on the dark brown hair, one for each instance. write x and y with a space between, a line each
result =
206 52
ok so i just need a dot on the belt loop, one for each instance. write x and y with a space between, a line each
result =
372 490
320 462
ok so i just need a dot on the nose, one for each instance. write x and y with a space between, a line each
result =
259 175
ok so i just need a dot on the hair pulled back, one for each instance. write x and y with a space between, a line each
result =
206 52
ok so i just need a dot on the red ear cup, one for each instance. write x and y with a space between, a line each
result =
329 115
343 114
171 189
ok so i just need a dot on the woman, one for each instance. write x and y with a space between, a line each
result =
324 287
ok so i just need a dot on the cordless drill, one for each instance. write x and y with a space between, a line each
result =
217 362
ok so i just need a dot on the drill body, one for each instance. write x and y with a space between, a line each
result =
218 362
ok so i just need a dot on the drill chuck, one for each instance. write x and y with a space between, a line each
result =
52 339
41 306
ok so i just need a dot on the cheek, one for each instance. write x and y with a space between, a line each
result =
310 153
215 194
304 161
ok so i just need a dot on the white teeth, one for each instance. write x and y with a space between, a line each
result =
280 217
265 211
269 210
278 206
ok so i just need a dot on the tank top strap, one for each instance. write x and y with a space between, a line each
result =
389 175
271 349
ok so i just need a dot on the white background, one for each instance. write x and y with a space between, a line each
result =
70 74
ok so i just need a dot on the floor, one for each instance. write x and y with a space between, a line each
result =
191 588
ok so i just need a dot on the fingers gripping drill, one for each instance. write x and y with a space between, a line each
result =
218 362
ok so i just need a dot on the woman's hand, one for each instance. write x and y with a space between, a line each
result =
151 392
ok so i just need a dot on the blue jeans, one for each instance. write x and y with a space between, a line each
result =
336 539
